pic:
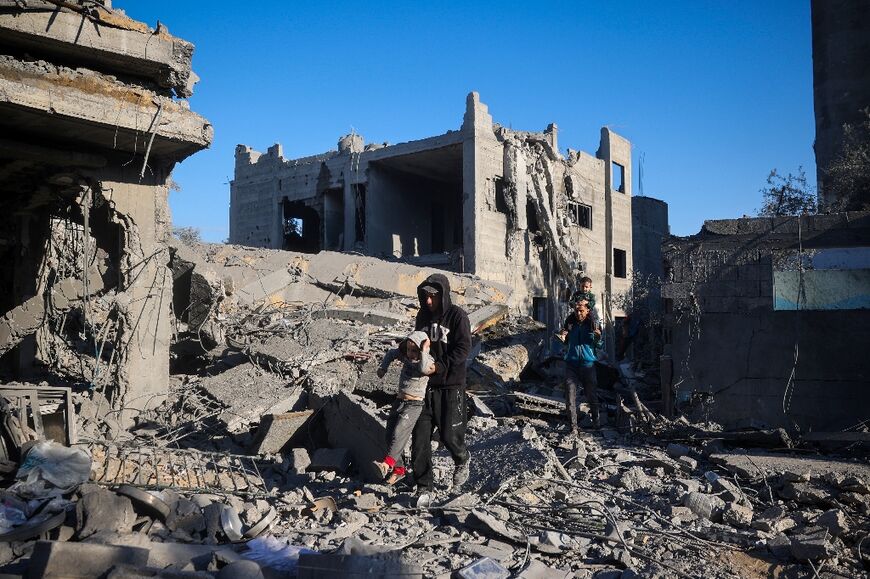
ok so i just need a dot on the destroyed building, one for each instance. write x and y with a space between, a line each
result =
502 204
93 118
767 321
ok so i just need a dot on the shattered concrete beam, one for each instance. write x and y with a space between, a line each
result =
56 102
136 51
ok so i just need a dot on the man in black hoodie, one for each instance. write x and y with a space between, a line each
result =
444 407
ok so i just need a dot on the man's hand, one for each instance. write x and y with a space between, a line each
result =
425 345
562 335
430 370
381 372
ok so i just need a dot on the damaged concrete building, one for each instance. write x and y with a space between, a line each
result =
93 118
499 203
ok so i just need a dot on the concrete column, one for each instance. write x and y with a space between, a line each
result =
477 128
349 207
141 210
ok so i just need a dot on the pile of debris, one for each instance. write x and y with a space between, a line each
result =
259 463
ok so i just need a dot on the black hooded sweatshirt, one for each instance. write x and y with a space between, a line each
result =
449 333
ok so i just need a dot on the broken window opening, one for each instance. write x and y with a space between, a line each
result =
501 192
618 177
580 214
360 219
619 263
532 217
539 309
301 227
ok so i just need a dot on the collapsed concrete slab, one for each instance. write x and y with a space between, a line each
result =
248 393
277 432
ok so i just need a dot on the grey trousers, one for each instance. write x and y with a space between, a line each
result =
581 376
400 425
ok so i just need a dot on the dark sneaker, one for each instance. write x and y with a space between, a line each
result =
383 468
460 475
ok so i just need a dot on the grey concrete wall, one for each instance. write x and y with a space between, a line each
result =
796 369
649 218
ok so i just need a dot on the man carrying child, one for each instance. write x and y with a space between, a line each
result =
581 335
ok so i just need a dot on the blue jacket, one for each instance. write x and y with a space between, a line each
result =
581 342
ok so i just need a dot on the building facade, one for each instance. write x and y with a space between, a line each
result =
505 205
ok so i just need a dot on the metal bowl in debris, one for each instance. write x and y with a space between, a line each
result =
262 525
145 501
231 524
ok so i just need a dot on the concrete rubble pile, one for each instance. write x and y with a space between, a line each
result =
259 463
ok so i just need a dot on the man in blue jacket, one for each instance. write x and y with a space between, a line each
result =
581 334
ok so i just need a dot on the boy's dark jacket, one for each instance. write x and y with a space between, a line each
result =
450 356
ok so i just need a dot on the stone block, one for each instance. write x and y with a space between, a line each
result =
675 450
812 546
737 515
780 547
705 506
834 521
276 431
300 460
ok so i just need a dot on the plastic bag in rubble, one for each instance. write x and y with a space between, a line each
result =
276 553
51 469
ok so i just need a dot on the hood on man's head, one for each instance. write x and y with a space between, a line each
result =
440 282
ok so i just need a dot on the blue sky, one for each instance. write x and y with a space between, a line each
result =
713 94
